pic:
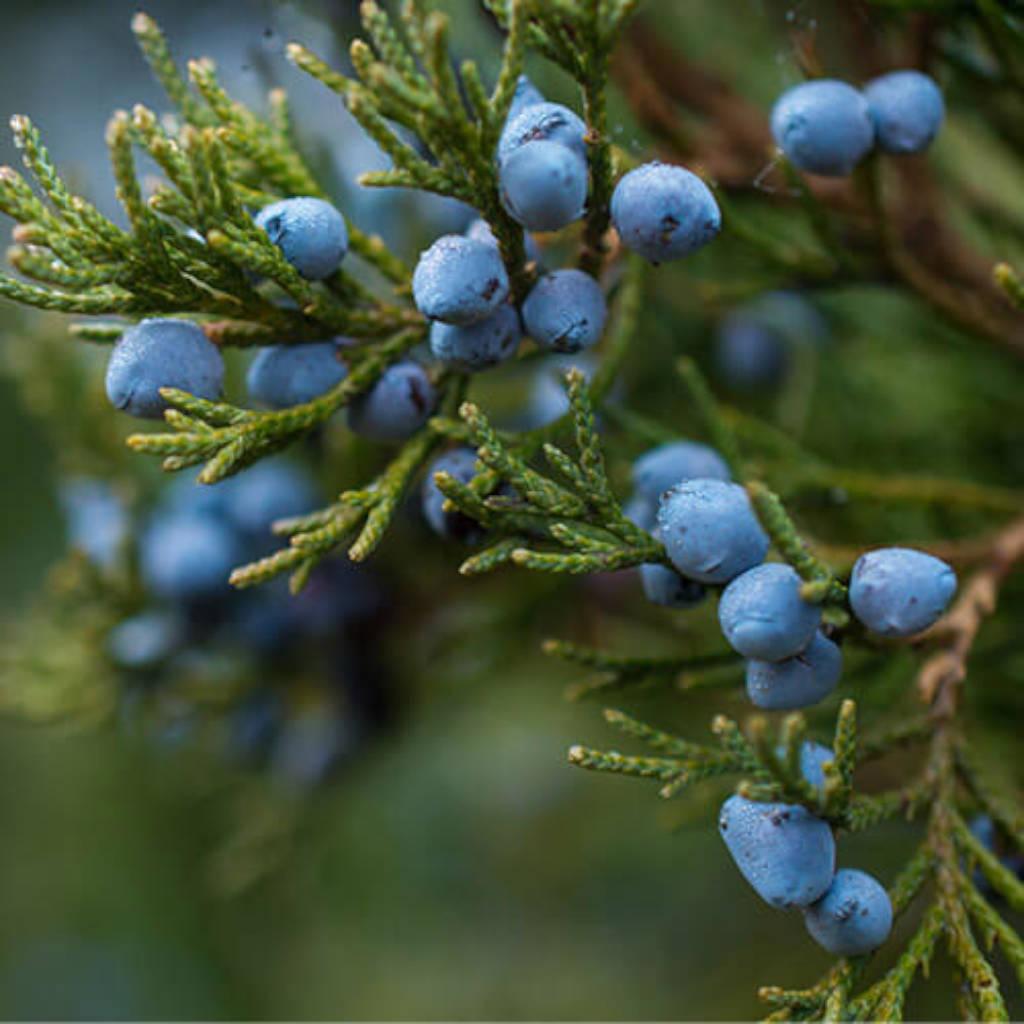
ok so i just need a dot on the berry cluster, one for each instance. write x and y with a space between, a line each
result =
187 635
712 536
827 127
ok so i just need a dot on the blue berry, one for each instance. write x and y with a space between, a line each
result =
664 586
797 682
158 354
900 591
145 639
785 852
664 212
748 355
286 375
813 758
459 280
272 489
565 311
663 467
710 531
526 95
480 231
543 185
477 346
97 520
763 616
854 917
547 400
461 464
823 126
401 401
754 342
188 557
309 232
907 109
543 122
641 511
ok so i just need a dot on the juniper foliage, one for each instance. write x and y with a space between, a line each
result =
549 498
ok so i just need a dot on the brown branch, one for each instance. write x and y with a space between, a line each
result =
941 675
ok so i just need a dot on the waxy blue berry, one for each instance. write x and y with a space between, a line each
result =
763 616
284 375
797 682
641 511
907 109
459 280
664 586
854 917
164 353
477 346
900 591
669 464
459 463
401 402
823 126
188 557
786 854
813 758
710 530
543 122
97 520
270 490
749 355
755 342
145 639
310 233
565 311
543 185
664 212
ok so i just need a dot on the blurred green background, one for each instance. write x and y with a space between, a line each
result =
460 869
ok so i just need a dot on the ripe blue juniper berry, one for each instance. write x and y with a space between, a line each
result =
899 591
284 375
763 615
157 354
907 109
460 463
664 212
544 185
854 917
823 126
785 852
309 232
798 682
396 406
700 518
710 531
565 311
756 342
459 280
665 587
477 346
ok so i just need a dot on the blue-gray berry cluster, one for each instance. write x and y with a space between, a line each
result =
788 855
190 625
827 127
683 492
